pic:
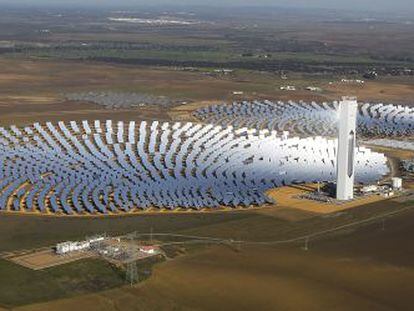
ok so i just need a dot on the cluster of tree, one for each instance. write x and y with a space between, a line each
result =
270 65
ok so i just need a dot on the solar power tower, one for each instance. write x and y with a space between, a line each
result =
346 149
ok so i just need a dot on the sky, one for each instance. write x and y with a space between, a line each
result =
358 5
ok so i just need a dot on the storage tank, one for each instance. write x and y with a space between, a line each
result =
396 183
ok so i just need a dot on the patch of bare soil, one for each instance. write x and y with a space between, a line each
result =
33 90
387 91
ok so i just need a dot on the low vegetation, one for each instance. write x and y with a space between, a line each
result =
20 286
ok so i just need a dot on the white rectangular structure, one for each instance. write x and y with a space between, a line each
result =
69 247
346 149
396 183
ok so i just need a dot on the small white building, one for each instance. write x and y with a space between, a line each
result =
96 239
224 71
288 88
151 250
69 247
369 189
396 183
388 194
314 89
355 81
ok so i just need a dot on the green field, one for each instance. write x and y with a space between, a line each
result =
27 232
20 286
213 56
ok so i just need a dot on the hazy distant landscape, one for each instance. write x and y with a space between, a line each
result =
163 62
262 39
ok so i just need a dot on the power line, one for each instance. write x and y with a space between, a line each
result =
132 273
209 240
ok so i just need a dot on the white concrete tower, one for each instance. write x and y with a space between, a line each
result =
345 165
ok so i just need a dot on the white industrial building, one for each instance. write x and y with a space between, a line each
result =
346 149
69 246
370 189
396 183
150 250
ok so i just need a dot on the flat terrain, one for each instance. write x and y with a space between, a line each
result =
33 90
21 285
288 197
365 269
209 277
45 54
34 231
44 259
263 39
182 283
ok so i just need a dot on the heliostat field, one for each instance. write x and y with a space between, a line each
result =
114 168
